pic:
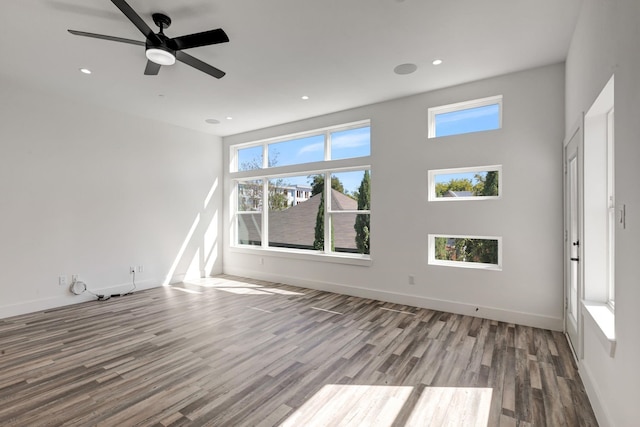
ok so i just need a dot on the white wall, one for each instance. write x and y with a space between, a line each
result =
89 191
606 42
529 217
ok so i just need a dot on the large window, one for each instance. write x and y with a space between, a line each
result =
308 192
465 117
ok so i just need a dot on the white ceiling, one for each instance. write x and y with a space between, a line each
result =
340 53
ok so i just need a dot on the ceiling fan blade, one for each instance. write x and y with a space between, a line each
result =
137 21
204 38
152 69
202 66
103 37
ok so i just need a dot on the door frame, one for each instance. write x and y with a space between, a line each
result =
577 134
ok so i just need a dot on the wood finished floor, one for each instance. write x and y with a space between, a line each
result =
235 352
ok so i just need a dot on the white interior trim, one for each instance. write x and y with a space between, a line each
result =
603 320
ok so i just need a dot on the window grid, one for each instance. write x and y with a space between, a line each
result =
264 175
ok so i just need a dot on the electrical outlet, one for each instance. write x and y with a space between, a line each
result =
412 279
141 269
261 261
132 270
74 278
62 280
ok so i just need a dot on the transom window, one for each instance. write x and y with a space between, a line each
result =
465 117
308 192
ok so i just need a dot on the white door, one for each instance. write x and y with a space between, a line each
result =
573 252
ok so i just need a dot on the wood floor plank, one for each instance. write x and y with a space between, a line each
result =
242 352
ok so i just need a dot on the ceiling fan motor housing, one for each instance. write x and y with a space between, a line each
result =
160 53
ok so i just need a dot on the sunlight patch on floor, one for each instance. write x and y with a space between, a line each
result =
351 405
338 405
239 288
188 291
452 406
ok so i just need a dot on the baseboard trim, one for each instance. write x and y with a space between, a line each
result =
43 304
604 420
492 313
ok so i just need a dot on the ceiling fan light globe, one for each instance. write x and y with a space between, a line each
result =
160 56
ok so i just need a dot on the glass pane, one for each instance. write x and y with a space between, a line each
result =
350 232
294 219
351 190
297 151
289 191
467 184
463 249
470 120
249 228
250 196
346 144
297 226
250 158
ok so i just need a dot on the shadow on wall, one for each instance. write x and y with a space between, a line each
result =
199 251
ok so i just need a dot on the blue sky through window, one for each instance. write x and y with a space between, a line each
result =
345 144
469 120
296 151
250 158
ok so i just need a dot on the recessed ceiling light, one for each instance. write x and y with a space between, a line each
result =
229 118
305 97
212 121
85 70
437 61
405 68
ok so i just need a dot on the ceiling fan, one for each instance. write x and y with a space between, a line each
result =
160 49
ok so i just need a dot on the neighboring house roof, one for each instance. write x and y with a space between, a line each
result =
295 226
451 193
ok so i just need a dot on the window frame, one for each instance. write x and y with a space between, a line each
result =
326 131
327 167
461 264
432 112
611 210
431 182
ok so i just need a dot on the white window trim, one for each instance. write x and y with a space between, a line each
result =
326 167
465 105
603 319
432 183
233 149
461 264
611 207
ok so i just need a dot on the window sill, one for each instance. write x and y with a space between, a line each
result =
604 321
336 258
474 265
